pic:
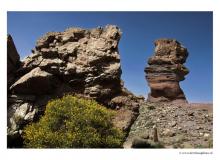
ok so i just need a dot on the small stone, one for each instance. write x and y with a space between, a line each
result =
21 112
20 131
117 107
187 145
201 134
190 113
199 127
179 128
206 135
30 116
145 136
169 133
172 124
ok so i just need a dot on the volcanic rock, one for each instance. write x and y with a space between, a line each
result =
35 82
13 60
77 61
88 64
188 132
166 70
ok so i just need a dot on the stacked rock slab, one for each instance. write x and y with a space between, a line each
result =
166 70
77 61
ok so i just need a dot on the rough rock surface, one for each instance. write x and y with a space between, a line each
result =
166 70
13 60
178 126
76 61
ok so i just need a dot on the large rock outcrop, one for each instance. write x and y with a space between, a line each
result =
87 61
76 61
166 70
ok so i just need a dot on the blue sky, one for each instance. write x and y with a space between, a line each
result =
193 29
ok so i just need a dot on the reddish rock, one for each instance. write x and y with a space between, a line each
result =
166 70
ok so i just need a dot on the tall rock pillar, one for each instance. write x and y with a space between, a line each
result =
166 70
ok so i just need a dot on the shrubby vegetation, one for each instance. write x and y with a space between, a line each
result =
72 122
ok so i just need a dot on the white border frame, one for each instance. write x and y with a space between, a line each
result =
110 5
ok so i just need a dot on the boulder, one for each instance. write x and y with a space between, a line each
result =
123 119
35 82
19 114
166 70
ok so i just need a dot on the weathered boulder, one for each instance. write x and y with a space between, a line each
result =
76 61
35 82
166 70
13 60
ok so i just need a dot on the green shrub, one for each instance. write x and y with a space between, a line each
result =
72 122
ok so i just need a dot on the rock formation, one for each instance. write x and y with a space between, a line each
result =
76 61
13 60
166 70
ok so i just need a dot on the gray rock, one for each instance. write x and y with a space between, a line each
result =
35 82
18 116
168 132
173 124
21 112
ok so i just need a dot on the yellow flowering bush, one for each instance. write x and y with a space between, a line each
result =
72 122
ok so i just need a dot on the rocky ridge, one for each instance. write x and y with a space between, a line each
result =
77 61
166 70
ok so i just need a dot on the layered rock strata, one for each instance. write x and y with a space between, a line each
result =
77 61
166 70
